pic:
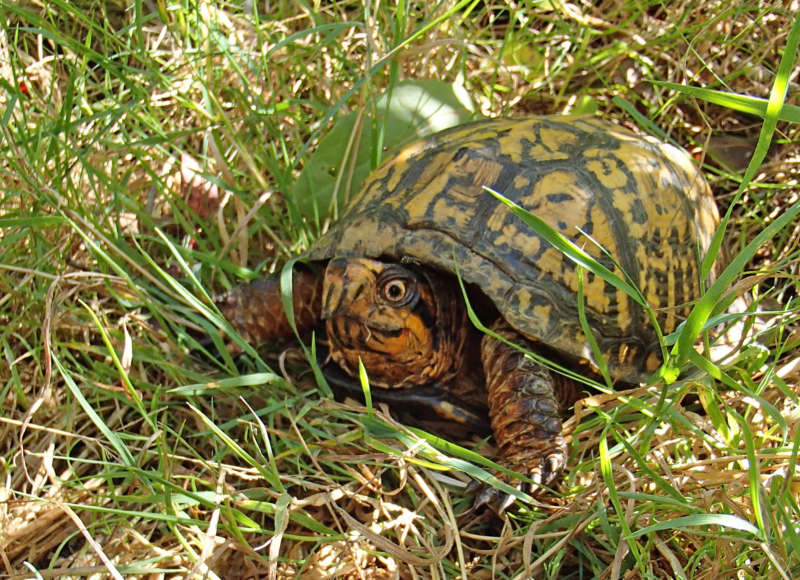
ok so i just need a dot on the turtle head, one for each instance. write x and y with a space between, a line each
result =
400 322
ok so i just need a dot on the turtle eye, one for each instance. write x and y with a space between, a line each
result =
395 290
398 291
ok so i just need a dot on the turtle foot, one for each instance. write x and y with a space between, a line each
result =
542 470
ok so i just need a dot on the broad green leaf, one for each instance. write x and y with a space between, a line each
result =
410 111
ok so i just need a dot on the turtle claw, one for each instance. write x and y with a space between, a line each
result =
494 499
553 464
497 500
541 476
490 497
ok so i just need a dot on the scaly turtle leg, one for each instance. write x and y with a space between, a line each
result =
256 312
525 412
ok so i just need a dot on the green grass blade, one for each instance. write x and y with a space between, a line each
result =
569 249
597 354
237 449
123 375
736 102
116 442
607 471
725 521
708 303
287 301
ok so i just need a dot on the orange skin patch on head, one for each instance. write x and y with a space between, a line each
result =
384 315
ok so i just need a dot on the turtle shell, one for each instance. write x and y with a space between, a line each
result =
644 201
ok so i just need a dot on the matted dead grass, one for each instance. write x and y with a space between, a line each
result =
123 456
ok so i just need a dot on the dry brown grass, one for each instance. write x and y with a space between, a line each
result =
120 459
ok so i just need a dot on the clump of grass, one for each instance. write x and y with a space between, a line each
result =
123 456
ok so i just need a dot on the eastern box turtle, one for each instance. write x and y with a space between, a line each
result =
383 279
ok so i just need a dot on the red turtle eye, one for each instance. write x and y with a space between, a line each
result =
395 290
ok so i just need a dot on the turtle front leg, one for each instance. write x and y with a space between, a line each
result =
256 312
525 413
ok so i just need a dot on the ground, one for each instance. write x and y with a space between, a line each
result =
155 154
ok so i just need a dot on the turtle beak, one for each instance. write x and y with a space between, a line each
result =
333 287
348 288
